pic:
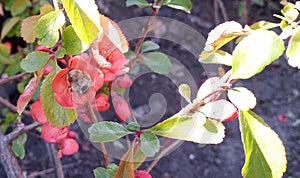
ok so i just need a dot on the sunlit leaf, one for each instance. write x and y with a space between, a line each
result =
107 131
254 52
71 42
220 110
158 62
55 113
264 25
290 12
185 5
242 98
140 3
35 61
84 17
149 46
210 86
185 92
222 34
186 128
29 25
265 153
216 57
149 143
293 49
48 26
100 172
9 26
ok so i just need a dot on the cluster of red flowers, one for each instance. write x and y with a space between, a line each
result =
60 136
85 74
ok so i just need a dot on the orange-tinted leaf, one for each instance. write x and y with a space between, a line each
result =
26 96
126 167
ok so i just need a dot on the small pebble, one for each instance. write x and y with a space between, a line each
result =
192 156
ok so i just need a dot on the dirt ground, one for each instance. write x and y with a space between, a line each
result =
277 90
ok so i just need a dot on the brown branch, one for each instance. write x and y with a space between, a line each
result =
8 79
21 128
48 171
93 118
156 8
12 107
57 163
8 159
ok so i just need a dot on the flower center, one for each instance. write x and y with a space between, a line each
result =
79 81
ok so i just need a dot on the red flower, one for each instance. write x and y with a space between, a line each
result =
54 134
101 102
77 84
123 82
69 146
37 112
117 61
142 174
121 107
48 69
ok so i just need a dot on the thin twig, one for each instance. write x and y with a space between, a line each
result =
57 163
216 12
21 128
156 8
48 171
8 79
12 107
223 10
93 118
163 153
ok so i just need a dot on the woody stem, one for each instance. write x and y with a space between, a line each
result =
93 118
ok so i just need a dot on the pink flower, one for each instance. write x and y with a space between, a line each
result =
101 102
54 134
69 146
48 69
142 174
123 82
77 84
37 111
121 107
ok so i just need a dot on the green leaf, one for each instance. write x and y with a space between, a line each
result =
265 153
85 18
185 92
293 49
60 53
48 26
259 2
35 61
149 46
130 55
242 98
111 169
158 62
55 113
149 143
216 57
189 129
71 42
185 5
133 126
18 150
254 52
19 6
100 172
18 146
210 126
4 55
107 131
9 25
140 3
